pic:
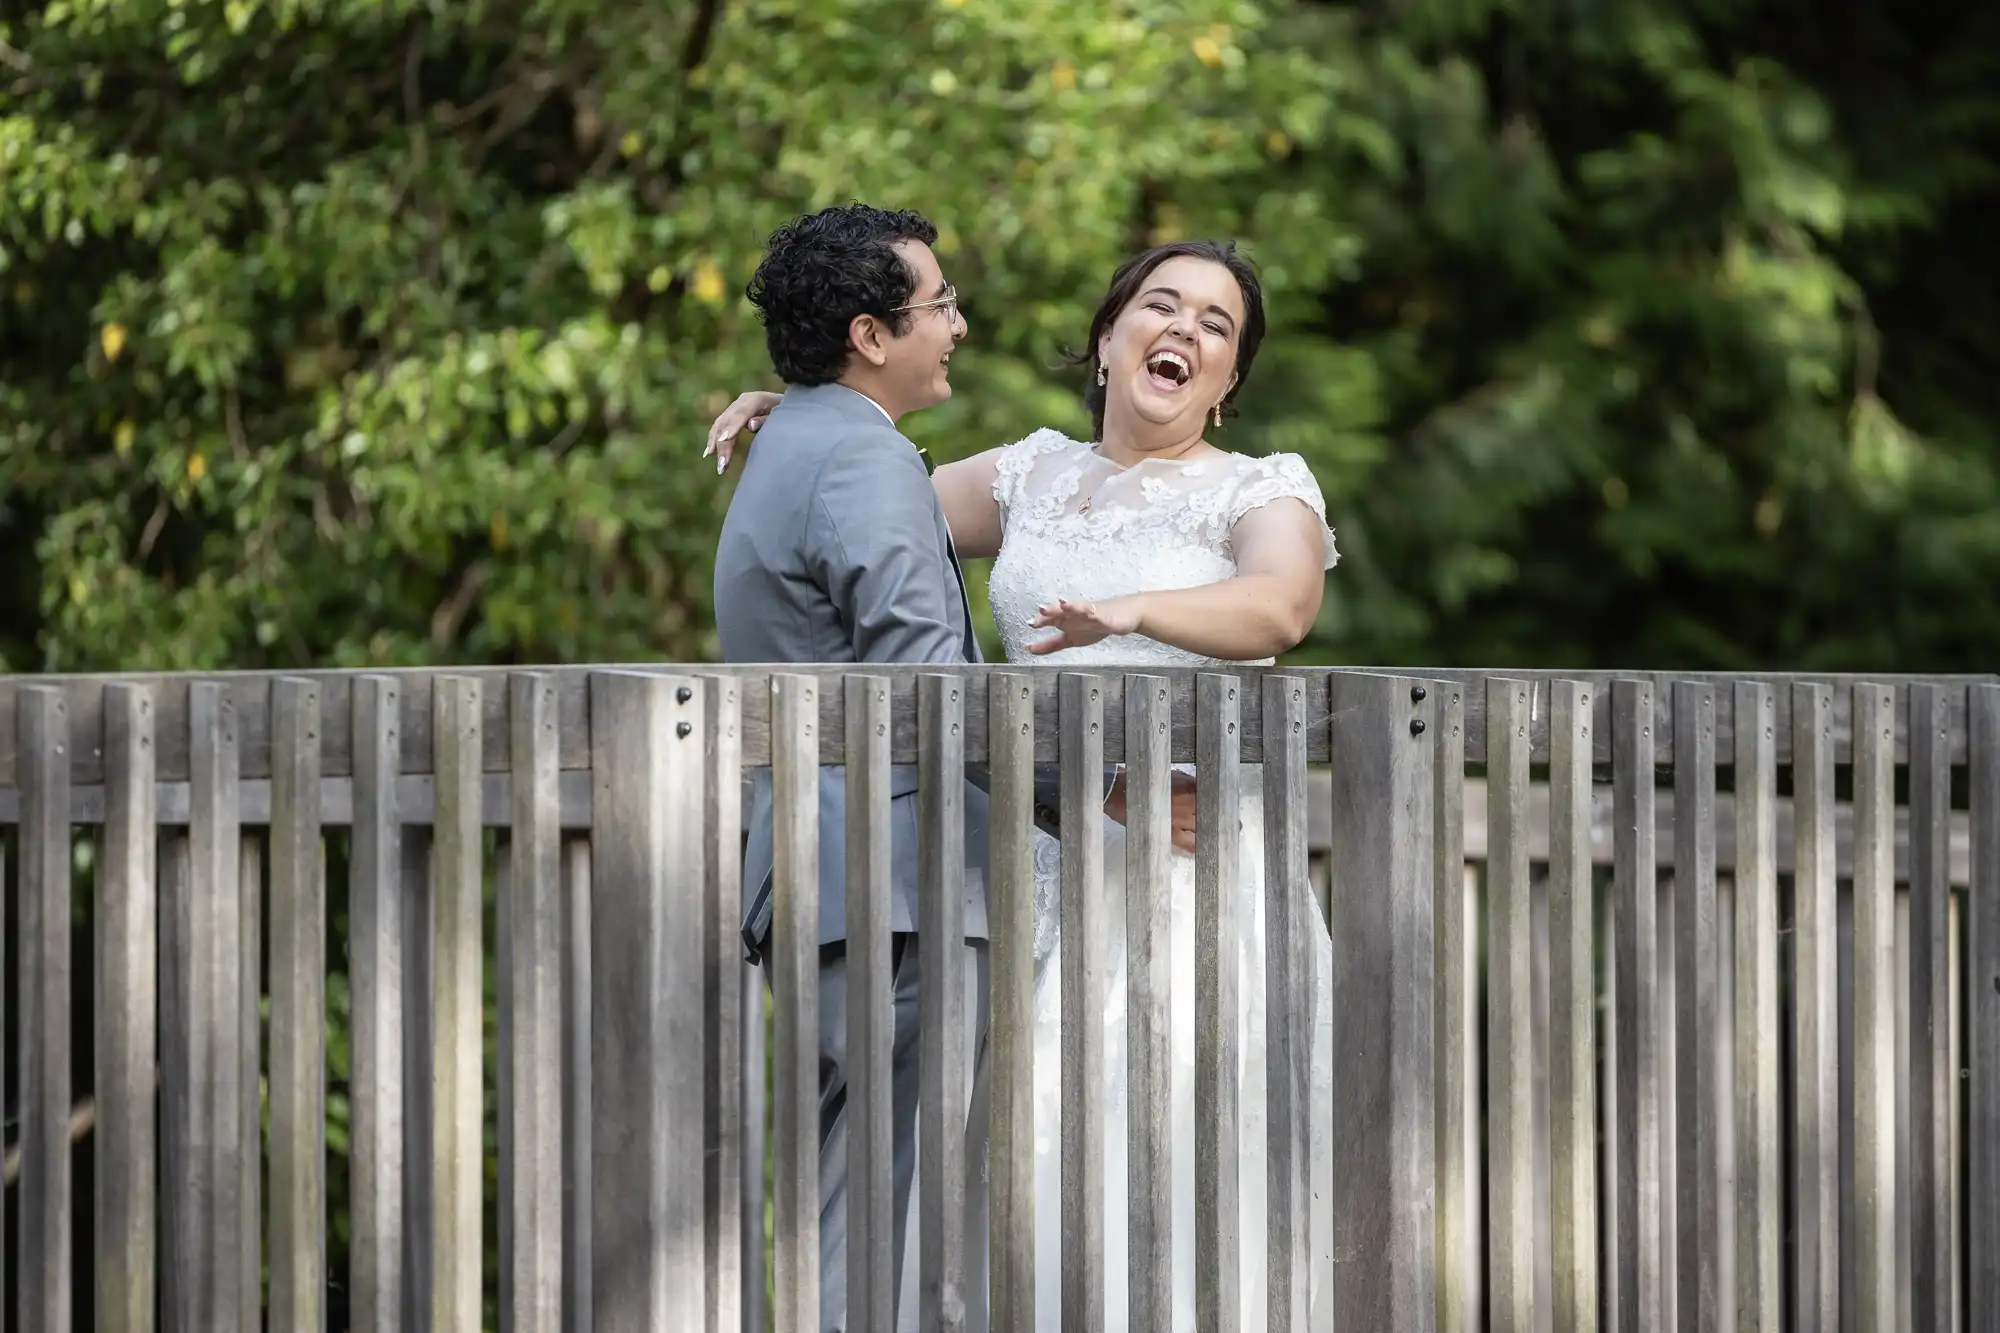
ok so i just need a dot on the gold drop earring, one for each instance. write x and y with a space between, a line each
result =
1218 414
1100 372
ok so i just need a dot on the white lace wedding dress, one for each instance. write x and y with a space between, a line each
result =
1081 527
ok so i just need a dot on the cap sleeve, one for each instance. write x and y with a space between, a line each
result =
1282 477
1017 460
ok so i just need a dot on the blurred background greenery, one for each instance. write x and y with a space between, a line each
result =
1656 333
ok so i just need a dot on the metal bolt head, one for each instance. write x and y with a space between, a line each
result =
683 694
1416 726
684 730
1418 694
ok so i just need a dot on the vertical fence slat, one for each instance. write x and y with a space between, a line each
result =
419 1073
250 1080
127 1023
1815 1016
722 896
871 1278
756 1086
1457 1076
458 872
647 877
375 962
204 1065
1697 1030
4 1285
577 1316
1148 986
1933 1084
1217 1210
941 1087
530 985
1635 1113
1572 1013
1982 987
1010 910
298 1011
1757 1110
1084 932
176 1099
1384 960
1509 1013
45 1206
1874 1074
794 999
1288 1024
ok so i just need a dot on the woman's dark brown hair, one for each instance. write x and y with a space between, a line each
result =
1127 282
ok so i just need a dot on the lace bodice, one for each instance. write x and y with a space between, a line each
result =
1157 525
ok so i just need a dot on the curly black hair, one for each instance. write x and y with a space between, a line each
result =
1125 284
821 272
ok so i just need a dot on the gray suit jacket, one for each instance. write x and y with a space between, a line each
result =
836 550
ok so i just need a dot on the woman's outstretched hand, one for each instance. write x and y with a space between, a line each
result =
1080 623
746 415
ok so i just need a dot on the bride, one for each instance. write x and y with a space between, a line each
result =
1152 547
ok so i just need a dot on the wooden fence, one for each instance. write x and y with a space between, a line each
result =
1575 1091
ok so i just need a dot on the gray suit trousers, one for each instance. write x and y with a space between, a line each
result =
833 1123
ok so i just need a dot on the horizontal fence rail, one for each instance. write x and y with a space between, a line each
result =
1657 1000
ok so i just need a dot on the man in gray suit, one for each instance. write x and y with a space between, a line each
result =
836 550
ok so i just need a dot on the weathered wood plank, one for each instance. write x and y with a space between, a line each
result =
1010 911
795 999
419 1073
1816 1125
722 899
212 1211
211 1153
941 1041
1148 988
531 1054
250 1080
1572 1014
1634 1129
1511 1220
1982 1041
1218 1211
458 877
375 966
577 1313
298 1012
1085 930
1384 960
1874 1073
1759 1169
1698 1025
249 689
127 1045
871 1274
647 946
43 1283
1933 1082
4 1286
1457 1138
1288 1025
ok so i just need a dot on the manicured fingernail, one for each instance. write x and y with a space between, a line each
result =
719 465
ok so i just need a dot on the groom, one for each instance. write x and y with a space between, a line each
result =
835 550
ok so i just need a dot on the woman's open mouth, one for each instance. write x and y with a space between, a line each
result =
1168 370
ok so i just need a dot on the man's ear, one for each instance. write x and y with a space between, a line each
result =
868 337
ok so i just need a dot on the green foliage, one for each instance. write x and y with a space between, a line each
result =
348 333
